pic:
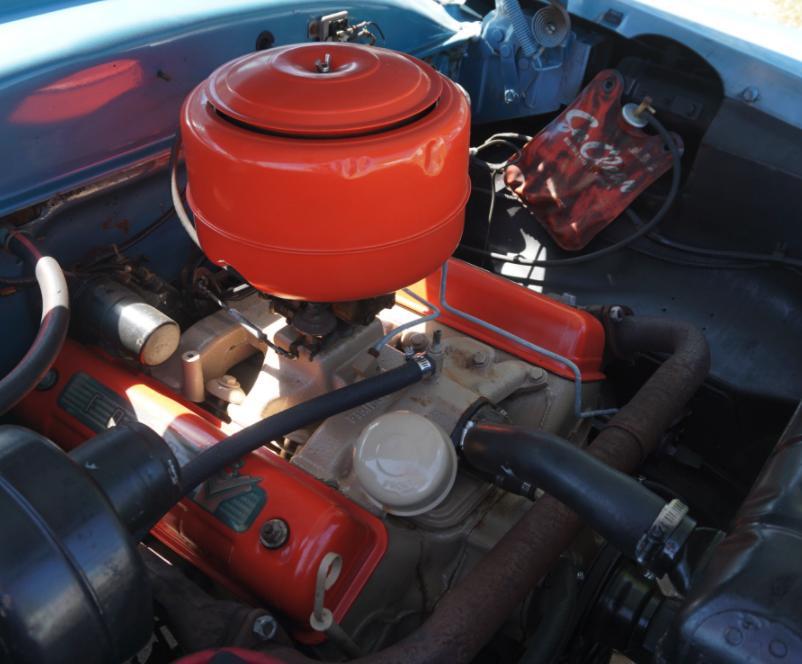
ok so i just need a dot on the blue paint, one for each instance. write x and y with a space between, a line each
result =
89 88
505 83
721 38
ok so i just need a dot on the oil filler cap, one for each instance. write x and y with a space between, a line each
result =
405 463
324 90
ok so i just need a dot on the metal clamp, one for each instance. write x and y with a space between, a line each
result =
659 545
425 363
337 27
470 424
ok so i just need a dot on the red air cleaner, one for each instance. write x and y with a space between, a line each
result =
327 172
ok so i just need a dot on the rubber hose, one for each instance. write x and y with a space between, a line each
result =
46 346
558 601
520 26
473 610
616 506
233 448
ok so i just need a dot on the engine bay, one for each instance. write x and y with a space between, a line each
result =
399 333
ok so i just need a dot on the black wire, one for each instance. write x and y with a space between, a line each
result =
749 260
378 27
491 209
495 169
704 265
148 230
90 267
673 259
526 281
775 259
134 239
529 278
676 173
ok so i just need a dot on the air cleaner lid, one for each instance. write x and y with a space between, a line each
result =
326 89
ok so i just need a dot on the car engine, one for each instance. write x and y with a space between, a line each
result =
337 411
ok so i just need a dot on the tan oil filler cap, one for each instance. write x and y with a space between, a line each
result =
405 463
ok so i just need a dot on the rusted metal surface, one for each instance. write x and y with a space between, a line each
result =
42 213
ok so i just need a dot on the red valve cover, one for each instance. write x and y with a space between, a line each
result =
327 172
218 528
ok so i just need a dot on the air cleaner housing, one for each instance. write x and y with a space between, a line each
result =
327 172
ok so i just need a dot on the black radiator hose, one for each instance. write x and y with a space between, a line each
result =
622 510
233 448
32 368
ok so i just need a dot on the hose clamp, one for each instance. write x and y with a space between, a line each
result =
658 547
470 424
425 364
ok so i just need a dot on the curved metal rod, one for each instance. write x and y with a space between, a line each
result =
375 348
583 414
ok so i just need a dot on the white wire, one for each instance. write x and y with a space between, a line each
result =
178 204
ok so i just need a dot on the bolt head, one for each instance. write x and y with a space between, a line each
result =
418 341
510 96
274 533
734 636
750 94
778 648
265 627
496 35
479 358
49 381
616 313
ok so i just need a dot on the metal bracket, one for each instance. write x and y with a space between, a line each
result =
246 324
338 27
